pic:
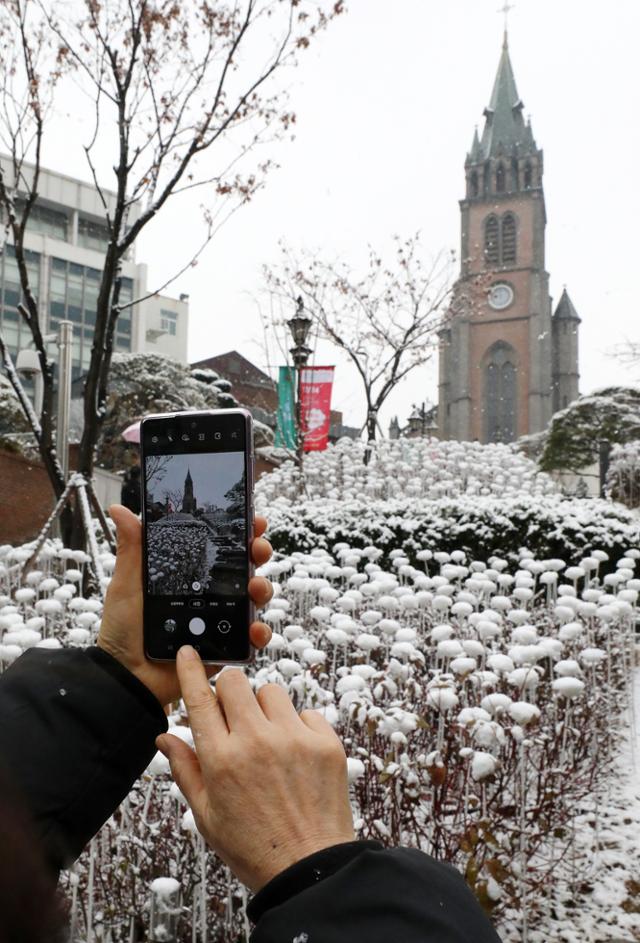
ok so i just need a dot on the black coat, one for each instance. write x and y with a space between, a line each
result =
130 494
78 729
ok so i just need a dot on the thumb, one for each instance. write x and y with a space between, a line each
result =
128 540
185 770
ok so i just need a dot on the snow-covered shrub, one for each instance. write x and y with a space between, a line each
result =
13 424
572 439
443 496
623 477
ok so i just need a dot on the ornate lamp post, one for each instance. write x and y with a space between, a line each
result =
299 325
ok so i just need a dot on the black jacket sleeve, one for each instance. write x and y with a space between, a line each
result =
77 730
363 892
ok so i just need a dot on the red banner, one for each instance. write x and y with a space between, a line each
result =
315 406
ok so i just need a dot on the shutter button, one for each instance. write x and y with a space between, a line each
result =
197 626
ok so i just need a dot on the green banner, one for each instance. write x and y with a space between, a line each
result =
286 428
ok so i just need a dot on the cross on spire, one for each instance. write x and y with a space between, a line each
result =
506 9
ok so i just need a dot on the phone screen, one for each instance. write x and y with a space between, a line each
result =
196 478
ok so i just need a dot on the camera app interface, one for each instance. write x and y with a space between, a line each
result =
196 536
196 525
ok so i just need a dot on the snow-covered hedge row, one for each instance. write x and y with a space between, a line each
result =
549 526
409 468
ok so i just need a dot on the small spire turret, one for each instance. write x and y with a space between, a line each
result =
565 310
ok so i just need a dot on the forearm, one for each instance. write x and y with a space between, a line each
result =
361 891
77 730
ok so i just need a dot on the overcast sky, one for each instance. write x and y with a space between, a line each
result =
212 476
386 102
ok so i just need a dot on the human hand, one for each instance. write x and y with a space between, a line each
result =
121 628
267 786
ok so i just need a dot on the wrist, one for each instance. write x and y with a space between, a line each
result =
138 670
101 655
305 874
282 857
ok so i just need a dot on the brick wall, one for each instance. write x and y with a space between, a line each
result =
26 498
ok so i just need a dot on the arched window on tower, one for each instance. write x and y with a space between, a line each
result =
474 183
492 240
500 178
486 181
500 371
528 175
515 174
509 240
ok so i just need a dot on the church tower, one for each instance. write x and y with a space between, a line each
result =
189 505
505 362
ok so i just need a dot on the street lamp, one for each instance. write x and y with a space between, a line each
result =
299 325
604 457
28 363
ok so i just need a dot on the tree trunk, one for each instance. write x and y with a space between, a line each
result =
372 423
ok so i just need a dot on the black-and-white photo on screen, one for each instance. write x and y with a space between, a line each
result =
196 526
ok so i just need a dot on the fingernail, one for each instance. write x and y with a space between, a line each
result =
188 653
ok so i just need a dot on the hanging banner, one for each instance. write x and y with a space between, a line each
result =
286 427
315 400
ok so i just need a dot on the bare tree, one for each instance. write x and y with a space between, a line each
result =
386 322
173 499
177 95
627 354
155 470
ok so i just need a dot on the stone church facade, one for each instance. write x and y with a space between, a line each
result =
507 363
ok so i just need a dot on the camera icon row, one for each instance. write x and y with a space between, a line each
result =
197 626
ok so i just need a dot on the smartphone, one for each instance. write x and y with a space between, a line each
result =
197 527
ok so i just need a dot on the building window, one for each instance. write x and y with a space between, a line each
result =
73 294
92 235
500 179
492 240
169 322
45 220
474 183
500 393
15 332
509 242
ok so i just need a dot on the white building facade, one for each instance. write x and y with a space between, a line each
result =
66 239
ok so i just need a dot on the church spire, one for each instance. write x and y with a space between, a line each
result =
505 131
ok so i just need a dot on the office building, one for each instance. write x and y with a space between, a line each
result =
66 241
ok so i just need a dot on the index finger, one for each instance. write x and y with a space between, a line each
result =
205 716
238 701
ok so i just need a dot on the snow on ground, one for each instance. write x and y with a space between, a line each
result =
606 907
